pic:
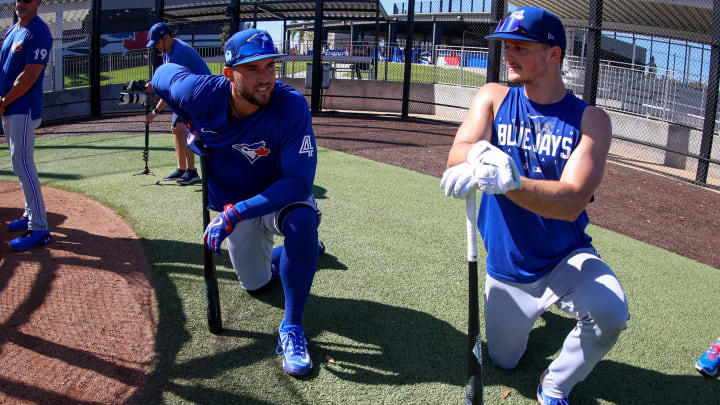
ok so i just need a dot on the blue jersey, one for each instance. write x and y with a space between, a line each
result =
523 246
25 46
185 55
266 160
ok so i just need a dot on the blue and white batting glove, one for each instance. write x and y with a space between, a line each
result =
220 227
458 180
195 144
494 170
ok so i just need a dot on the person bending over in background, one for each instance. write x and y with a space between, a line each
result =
174 50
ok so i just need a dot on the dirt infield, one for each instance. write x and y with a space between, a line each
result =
664 212
77 317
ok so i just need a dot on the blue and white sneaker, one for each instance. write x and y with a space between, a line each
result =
547 400
293 346
708 363
30 239
20 224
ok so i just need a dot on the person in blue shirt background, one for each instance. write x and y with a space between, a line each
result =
538 154
174 50
257 138
25 53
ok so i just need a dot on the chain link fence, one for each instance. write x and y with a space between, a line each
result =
654 87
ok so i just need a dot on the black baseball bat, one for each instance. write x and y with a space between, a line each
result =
212 293
474 387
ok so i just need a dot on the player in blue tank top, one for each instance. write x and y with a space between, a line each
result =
24 54
174 50
256 134
538 154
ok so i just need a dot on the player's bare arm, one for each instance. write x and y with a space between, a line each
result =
477 125
565 199
23 83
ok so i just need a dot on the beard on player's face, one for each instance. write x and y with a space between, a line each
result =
247 92
250 97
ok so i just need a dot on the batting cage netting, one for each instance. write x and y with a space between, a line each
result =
650 64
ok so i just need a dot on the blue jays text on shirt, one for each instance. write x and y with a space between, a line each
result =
538 135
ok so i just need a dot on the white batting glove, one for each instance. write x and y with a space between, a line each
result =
458 180
494 170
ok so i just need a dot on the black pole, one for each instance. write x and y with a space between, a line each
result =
408 58
317 71
95 26
711 98
146 151
159 16
212 292
255 14
592 65
377 38
233 11
497 12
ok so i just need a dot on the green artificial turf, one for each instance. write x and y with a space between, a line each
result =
388 304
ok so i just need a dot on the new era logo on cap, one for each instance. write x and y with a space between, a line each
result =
248 46
532 24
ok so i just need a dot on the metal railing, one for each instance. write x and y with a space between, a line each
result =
625 88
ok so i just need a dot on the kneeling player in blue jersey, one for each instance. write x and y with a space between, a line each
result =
538 153
256 134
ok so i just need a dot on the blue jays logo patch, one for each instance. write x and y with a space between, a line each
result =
253 151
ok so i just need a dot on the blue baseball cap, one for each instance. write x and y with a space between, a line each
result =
532 24
248 46
157 31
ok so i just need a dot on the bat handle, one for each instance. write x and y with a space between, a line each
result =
471 226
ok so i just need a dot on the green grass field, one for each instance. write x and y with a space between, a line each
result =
389 299
395 72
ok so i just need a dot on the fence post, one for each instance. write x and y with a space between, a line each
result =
592 67
317 58
460 64
408 57
497 12
711 98
95 22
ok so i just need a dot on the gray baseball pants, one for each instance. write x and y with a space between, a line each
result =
581 285
20 133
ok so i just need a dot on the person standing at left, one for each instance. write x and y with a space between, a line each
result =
24 54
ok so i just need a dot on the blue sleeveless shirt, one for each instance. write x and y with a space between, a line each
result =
523 246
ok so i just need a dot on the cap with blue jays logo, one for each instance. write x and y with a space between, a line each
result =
157 31
532 24
248 46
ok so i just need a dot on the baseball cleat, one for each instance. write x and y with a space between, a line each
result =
176 175
321 248
30 239
544 399
708 363
190 177
293 346
20 224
